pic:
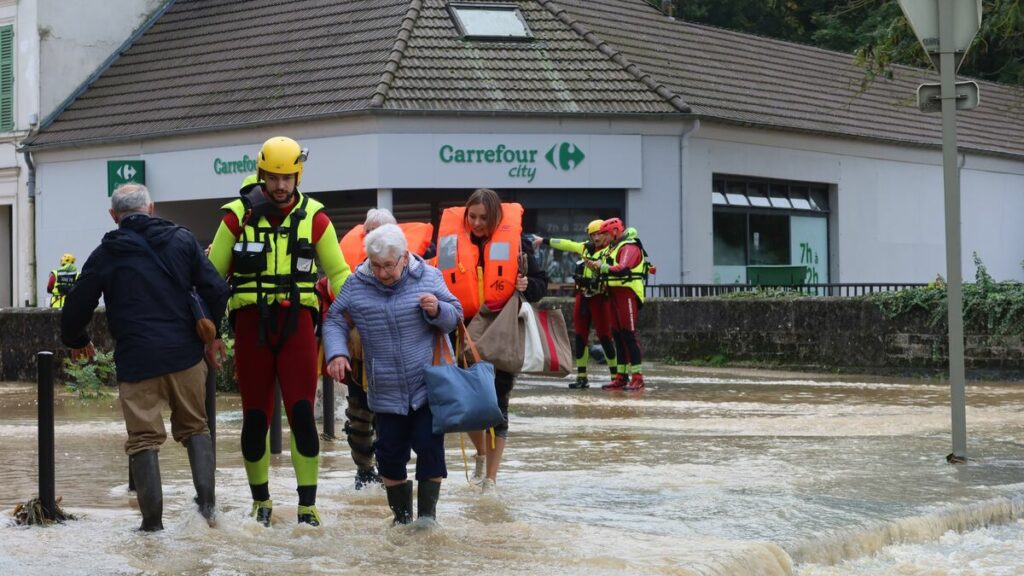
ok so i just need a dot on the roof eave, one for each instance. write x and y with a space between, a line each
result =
369 111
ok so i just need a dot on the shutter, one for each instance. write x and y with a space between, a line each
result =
6 78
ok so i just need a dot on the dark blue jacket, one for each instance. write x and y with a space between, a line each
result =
147 313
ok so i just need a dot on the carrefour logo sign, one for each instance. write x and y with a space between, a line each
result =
521 162
244 165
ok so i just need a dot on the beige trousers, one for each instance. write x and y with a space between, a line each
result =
143 403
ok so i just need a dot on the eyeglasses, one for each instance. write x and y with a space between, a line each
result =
388 268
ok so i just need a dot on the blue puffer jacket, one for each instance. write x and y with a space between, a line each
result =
397 335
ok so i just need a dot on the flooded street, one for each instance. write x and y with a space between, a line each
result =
704 473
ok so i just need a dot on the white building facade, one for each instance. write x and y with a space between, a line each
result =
733 155
880 220
48 48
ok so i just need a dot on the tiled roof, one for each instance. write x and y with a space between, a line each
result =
558 72
212 64
759 81
217 63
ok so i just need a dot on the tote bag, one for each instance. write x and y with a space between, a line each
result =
546 350
500 336
461 398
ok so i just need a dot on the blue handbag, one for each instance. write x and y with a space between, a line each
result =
461 398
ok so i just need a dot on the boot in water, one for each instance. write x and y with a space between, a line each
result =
426 499
619 382
580 383
309 515
400 502
148 488
366 477
262 510
200 459
636 383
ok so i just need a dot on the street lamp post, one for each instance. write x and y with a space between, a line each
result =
945 28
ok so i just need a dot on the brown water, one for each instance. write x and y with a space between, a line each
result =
701 474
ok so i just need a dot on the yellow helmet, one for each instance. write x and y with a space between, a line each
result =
282 155
67 258
594 226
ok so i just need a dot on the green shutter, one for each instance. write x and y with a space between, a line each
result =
6 78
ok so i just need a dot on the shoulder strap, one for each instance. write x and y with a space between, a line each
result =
149 250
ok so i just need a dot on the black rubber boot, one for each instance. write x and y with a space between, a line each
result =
146 469
426 499
400 502
201 459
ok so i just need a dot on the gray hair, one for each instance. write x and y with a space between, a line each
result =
130 199
388 240
377 217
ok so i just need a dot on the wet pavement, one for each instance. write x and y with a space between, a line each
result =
706 472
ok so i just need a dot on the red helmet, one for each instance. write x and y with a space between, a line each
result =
613 226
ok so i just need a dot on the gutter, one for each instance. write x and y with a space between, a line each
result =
684 168
30 184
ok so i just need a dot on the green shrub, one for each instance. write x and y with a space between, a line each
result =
988 306
90 377
226 375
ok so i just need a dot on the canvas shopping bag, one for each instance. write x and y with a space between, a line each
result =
500 336
461 398
546 350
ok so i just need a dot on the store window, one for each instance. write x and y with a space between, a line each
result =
760 222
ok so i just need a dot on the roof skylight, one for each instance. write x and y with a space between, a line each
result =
480 21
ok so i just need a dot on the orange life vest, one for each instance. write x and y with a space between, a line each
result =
458 259
417 235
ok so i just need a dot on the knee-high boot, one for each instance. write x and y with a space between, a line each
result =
400 502
426 499
149 490
201 459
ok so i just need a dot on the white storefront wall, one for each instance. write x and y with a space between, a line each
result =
72 190
885 225
886 222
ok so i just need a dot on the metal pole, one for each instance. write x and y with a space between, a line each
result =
275 422
47 490
211 407
951 180
328 405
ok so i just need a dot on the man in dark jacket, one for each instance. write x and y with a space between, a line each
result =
158 353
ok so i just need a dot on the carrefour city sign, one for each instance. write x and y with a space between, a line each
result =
243 165
520 162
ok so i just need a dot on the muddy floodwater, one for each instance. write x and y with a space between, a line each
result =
709 473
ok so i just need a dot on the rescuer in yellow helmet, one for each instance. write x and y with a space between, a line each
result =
269 241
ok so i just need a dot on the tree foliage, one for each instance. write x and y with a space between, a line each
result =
874 31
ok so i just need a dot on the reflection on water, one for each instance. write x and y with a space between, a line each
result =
701 474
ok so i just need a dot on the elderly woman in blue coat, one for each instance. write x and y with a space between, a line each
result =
398 303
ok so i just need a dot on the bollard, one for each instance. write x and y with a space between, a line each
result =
211 407
47 490
275 422
328 406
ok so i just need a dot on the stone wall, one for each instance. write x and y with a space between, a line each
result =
24 332
832 333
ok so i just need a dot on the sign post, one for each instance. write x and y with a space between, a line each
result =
946 28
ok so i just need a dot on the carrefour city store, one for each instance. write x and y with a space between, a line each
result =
725 151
